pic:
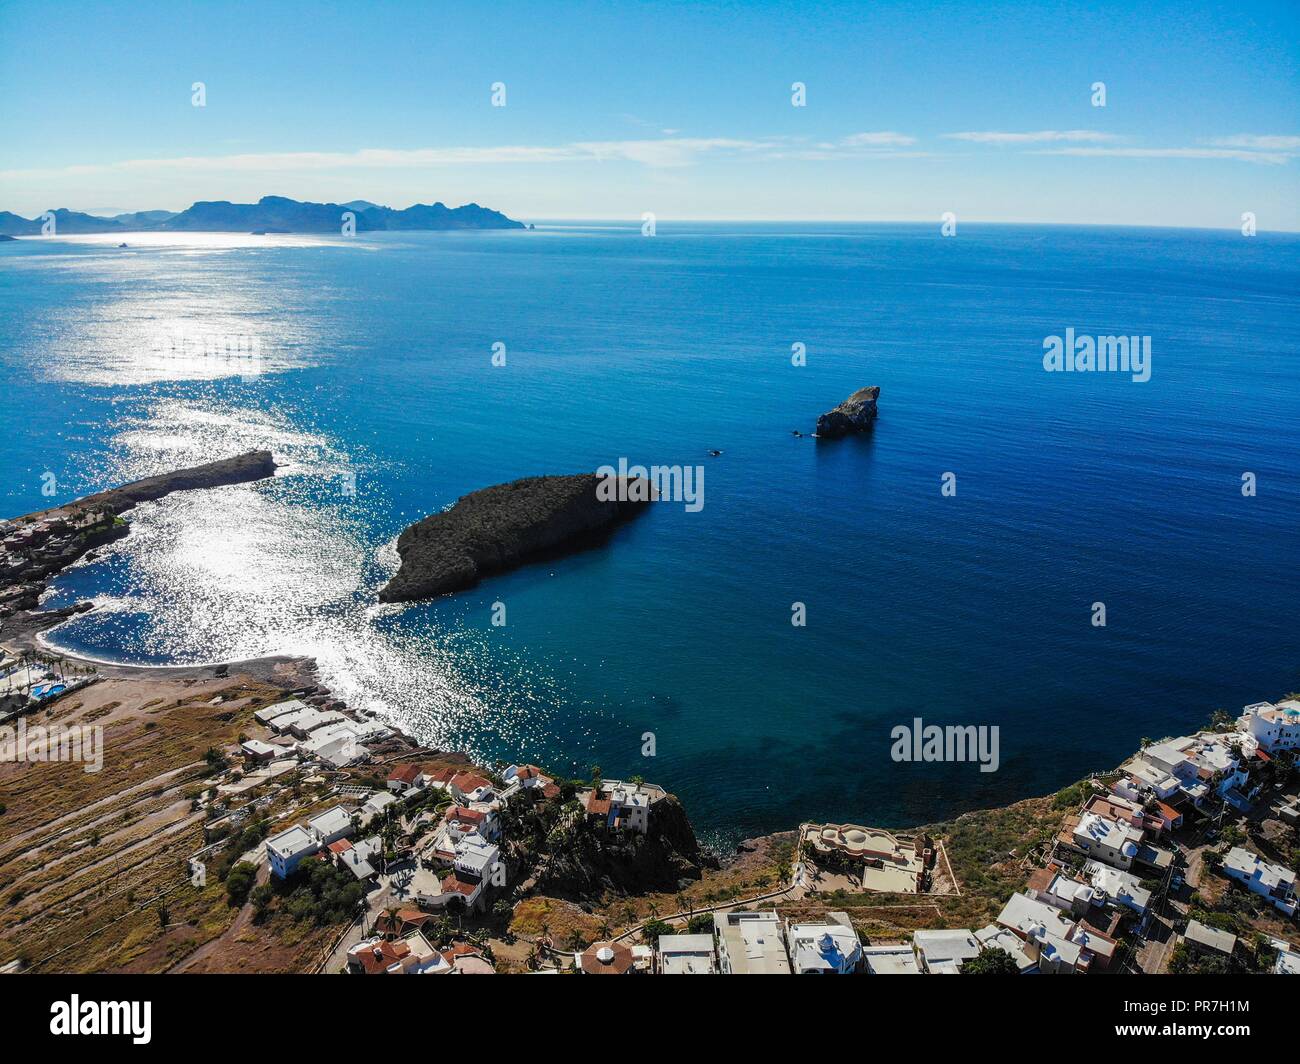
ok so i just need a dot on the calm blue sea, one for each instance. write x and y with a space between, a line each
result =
366 366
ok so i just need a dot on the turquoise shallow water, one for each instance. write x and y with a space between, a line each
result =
373 384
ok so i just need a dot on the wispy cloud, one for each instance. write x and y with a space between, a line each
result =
886 139
1038 136
1265 158
662 153
1266 141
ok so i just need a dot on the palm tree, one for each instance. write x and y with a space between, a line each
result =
605 931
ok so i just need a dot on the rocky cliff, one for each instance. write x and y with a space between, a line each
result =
499 528
856 414
592 865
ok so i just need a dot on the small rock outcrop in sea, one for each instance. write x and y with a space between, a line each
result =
501 527
856 414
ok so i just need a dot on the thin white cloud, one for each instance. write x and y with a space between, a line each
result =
1266 141
1265 158
886 139
663 153
1033 137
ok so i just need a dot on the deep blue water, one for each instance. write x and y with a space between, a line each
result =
375 362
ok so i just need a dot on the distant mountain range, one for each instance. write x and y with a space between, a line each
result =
269 214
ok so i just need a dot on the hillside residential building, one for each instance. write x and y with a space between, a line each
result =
1274 727
1119 888
620 806
994 937
1288 957
1196 761
376 804
407 779
686 955
750 943
944 952
1273 882
1116 842
330 825
605 958
411 955
468 787
530 778
1060 944
477 866
287 849
830 948
280 709
1201 939
256 750
890 960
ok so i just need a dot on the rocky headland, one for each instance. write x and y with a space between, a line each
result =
856 414
500 528
38 546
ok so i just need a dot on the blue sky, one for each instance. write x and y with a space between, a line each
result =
612 109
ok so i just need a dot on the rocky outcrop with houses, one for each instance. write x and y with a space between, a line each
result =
593 864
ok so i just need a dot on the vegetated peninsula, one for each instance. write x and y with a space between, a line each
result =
269 214
499 528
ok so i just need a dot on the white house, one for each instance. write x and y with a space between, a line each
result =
890 960
686 955
1060 944
470 787
1119 888
256 750
376 804
287 849
832 948
1288 957
1115 842
622 806
994 937
1274 727
750 943
280 709
331 825
943 952
1273 882
1196 759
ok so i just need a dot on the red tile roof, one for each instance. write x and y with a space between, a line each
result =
458 884
377 957
342 846
464 815
597 805
404 773
468 782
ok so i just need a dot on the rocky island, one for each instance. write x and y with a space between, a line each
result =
499 528
856 414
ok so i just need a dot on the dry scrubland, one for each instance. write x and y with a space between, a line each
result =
91 864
